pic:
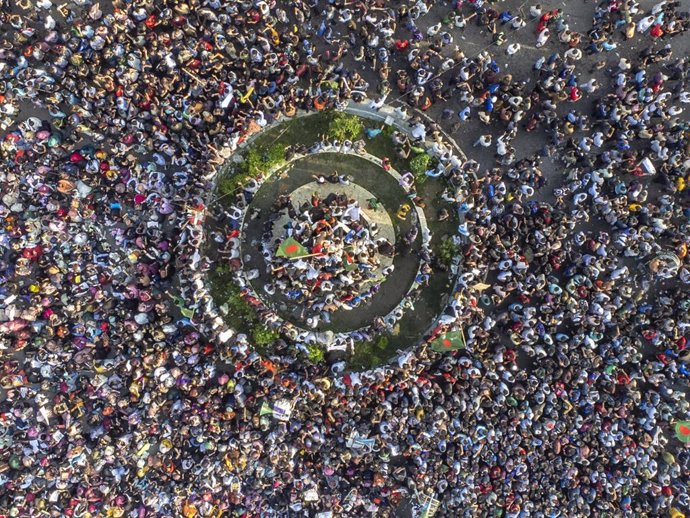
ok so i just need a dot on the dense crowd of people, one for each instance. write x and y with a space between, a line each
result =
335 263
574 299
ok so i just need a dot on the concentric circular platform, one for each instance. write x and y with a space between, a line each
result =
335 294
378 196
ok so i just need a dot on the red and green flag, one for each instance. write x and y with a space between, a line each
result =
349 263
291 248
449 342
683 431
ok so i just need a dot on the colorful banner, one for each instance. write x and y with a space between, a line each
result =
291 248
452 341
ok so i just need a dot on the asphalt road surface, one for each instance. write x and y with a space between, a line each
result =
474 39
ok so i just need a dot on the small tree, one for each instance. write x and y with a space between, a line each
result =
345 127
227 184
448 250
254 161
263 336
275 155
316 354
419 166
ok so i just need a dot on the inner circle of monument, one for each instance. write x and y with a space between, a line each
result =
369 191
332 248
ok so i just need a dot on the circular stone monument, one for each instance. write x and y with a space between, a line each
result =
328 251
324 249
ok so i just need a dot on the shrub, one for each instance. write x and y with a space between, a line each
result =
419 166
241 316
258 159
345 127
254 161
316 354
222 269
263 336
274 156
225 292
370 354
448 250
365 356
228 183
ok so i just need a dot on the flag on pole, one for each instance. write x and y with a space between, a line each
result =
291 248
449 342
683 431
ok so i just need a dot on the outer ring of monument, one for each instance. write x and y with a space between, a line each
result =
211 316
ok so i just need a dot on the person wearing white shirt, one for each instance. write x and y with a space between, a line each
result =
260 119
645 23
542 37
401 112
418 131
377 104
590 86
484 141
675 110
406 181
501 147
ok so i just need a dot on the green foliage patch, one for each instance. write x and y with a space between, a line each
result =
316 353
448 250
257 160
345 127
263 336
239 314
419 165
368 355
